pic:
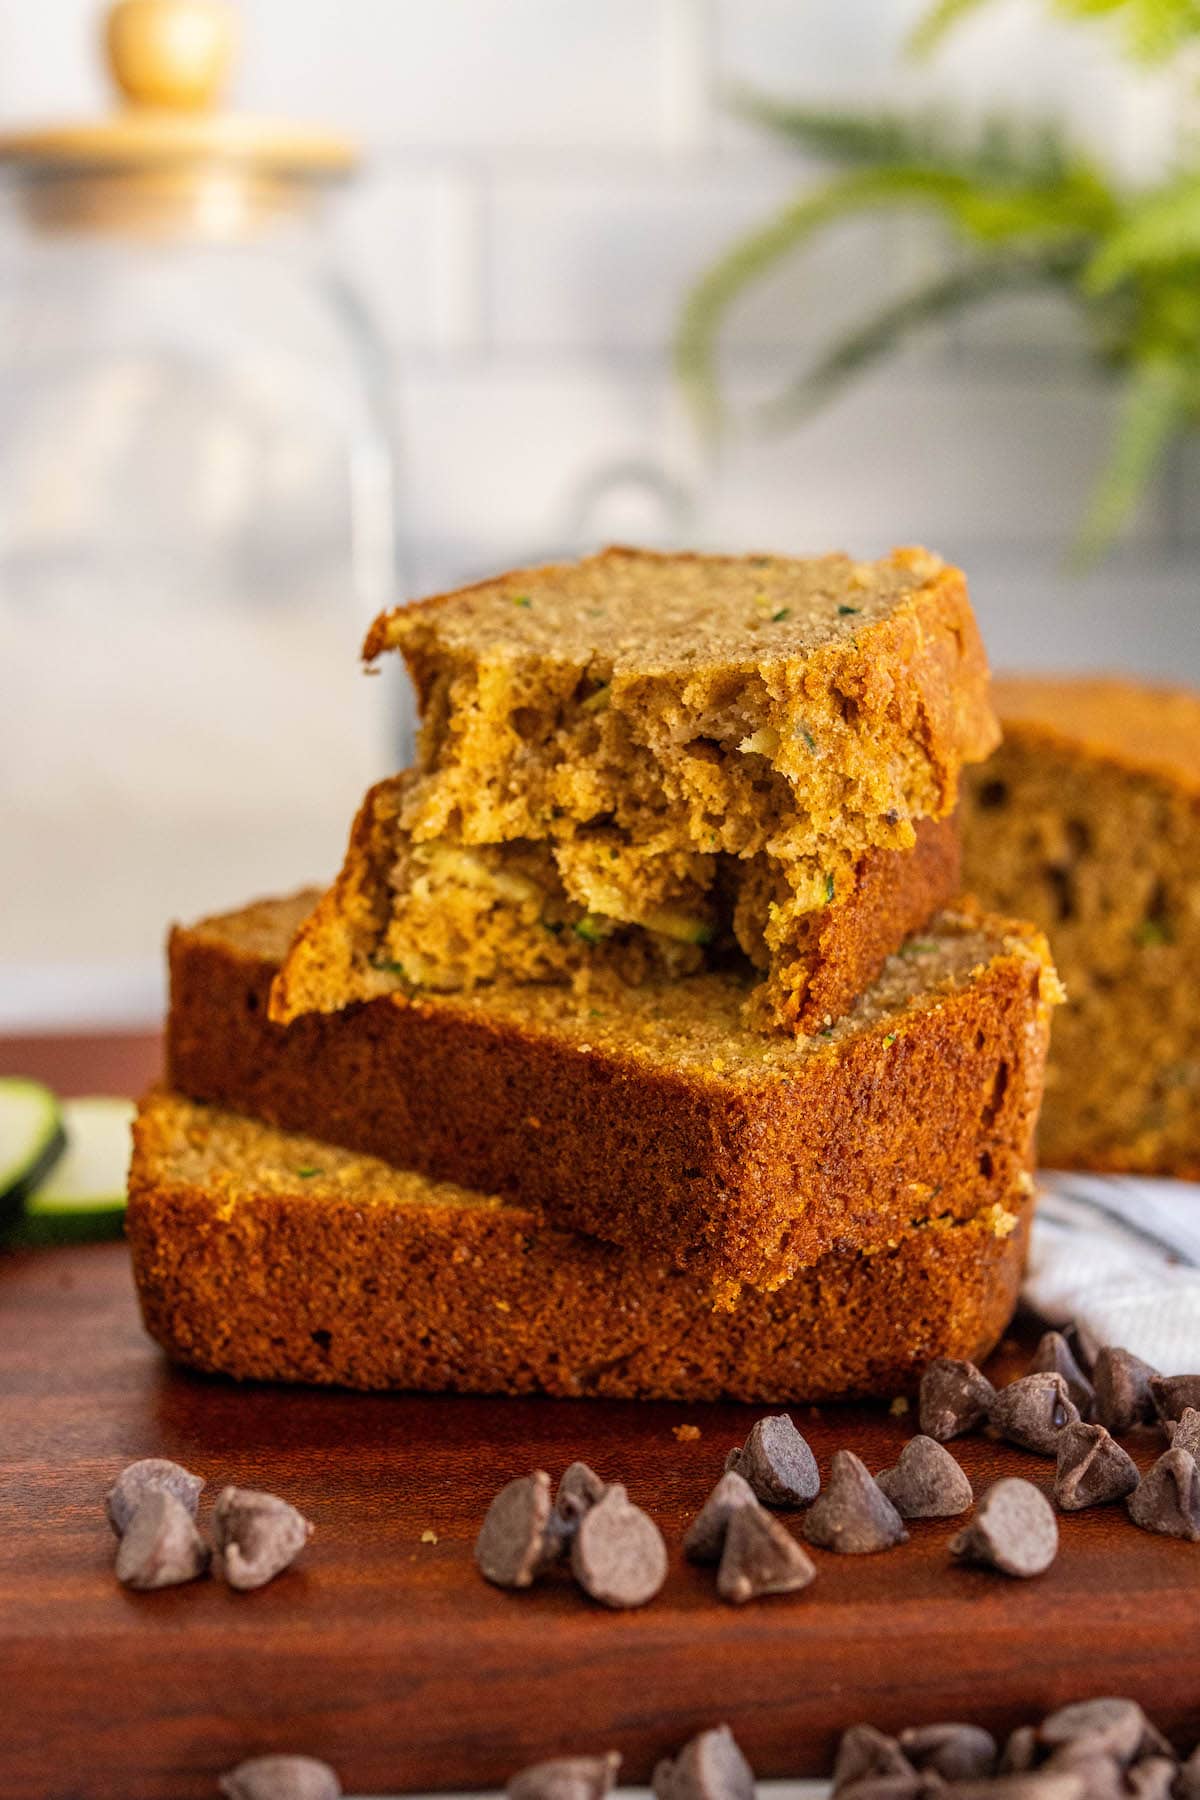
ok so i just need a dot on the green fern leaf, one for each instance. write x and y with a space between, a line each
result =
1158 229
943 297
1155 408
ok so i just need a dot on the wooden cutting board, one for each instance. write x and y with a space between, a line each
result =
387 1655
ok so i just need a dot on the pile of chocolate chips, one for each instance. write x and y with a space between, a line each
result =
1058 1410
1093 1750
152 1509
615 1551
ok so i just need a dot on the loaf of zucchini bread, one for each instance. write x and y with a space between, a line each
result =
1087 820
653 1116
273 1256
653 759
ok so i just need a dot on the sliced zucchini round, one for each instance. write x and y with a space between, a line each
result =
32 1140
83 1195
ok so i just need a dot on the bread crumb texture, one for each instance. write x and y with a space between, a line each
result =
643 761
1087 820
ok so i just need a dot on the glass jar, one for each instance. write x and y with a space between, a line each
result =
197 520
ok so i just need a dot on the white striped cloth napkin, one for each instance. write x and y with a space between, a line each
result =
1120 1256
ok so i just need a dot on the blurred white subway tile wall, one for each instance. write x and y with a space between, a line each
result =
545 178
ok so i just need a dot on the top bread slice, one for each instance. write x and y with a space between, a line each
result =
1090 812
805 706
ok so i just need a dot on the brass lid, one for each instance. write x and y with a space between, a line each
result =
171 60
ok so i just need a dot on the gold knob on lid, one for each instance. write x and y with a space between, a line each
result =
171 54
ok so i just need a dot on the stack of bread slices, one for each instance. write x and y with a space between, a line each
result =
643 1045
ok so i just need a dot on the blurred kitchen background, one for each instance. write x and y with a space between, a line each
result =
542 183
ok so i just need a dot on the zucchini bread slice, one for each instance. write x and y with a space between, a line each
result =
659 753
653 1116
408 915
271 1256
1088 820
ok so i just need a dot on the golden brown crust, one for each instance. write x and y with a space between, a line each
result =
1088 817
659 1122
418 1290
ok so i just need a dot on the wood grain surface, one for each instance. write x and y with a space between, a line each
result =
392 1659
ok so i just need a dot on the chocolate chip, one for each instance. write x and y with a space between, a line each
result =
1092 1468
1106 1727
865 1754
1152 1779
160 1546
777 1463
1020 1751
1054 1356
618 1555
512 1542
760 1557
1174 1395
257 1536
1189 1778
1031 1412
579 1489
135 1481
1014 1530
281 1778
852 1515
709 1767
926 1482
956 1752
567 1777
1122 1384
1168 1497
955 1398
704 1539
1184 1433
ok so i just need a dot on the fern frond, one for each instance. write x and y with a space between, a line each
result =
1155 408
941 18
943 297
1160 229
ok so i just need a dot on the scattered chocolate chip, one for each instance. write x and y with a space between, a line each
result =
777 1463
281 1778
1122 1384
709 1767
567 1778
1019 1752
135 1481
865 1754
1092 1468
760 1557
579 1489
1152 1779
1014 1530
704 1539
1189 1778
1054 1356
926 1482
618 1555
1167 1499
1174 1394
853 1515
160 1546
955 1398
1107 1727
1031 1412
955 1752
257 1536
512 1542
1184 1433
